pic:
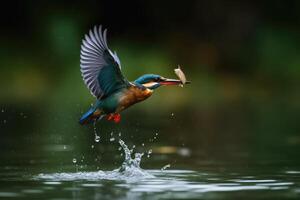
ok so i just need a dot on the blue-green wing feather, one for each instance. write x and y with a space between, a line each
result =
100 68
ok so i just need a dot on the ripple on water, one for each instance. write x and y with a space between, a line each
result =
32 191
165 181
253 180
9 194
276 184
129 175
91 185
292 172
52 183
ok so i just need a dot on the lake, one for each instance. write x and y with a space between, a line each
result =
169 172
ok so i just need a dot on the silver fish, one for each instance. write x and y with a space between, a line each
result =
180 75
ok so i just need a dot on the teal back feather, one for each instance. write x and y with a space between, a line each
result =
109 82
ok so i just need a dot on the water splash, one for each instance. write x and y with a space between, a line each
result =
165 167
131 166
129 171
97 137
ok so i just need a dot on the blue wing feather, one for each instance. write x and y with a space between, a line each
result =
100 68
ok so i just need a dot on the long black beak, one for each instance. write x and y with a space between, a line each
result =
168 81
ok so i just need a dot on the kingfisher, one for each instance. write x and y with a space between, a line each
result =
101 72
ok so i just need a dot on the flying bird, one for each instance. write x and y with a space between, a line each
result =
101 72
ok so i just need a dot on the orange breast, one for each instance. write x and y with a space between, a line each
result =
133 95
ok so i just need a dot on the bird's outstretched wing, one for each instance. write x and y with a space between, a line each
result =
99 66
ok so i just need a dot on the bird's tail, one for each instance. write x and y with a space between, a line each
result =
90 116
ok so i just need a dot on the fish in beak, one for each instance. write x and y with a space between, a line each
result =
179 73
182 79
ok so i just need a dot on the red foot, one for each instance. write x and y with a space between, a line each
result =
114 116
117 118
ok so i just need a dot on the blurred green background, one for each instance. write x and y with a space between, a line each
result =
243 59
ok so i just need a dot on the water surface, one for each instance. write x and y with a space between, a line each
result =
209 180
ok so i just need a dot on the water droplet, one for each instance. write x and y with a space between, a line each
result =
112 139
149 153
2 110
120 134
165 167
4 121
143 144
133 146
120 148
184 152
172 114
156 134
65 147
92 146
97 138
112 133
74 160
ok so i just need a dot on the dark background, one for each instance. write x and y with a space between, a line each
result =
242 57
